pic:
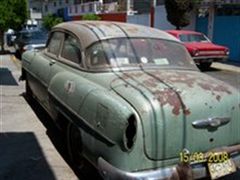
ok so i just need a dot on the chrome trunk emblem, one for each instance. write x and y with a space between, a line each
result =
211 122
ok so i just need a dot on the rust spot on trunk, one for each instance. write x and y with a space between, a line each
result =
214 88
186 112
177 78
218 97
168 96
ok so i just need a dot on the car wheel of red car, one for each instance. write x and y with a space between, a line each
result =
205 65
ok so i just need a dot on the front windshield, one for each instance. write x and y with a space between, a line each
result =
193 38
138 52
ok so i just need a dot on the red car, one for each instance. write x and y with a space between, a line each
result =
203 51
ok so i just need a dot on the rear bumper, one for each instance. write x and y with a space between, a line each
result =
180 171
202 59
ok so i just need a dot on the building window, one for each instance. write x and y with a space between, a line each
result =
83 8
66 1
77 2
160 2
54 4
46 8
142 6
90 7
76 9
228 10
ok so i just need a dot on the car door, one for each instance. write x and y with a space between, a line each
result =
41 65
65 73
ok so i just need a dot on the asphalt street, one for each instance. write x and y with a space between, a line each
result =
30 146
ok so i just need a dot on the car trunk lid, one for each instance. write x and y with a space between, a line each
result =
170 104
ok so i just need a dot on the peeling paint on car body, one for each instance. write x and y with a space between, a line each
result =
175 96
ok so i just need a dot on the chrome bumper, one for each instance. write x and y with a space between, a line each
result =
178 172
210 58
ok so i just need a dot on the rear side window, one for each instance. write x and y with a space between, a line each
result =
71 49
55 43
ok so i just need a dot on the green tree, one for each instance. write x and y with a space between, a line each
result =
51 20
178 12
91 17
13 14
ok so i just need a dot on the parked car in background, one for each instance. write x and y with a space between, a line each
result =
10 37
203 51
134 112
29 40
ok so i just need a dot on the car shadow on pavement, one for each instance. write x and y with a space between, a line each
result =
21 157
210 69
4 52
6 78
58 139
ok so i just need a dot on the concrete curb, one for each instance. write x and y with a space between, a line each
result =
227 67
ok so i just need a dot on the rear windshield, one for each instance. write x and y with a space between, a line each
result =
35 35
138 52
193 38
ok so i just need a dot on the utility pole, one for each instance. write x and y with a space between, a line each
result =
152 12
128 6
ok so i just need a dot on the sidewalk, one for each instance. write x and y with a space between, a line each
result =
229 66
27 140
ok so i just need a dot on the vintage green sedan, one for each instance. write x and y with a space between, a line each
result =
133 102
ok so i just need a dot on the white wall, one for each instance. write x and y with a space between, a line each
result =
160 20
143 19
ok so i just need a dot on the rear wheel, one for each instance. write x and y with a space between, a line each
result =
205 65
28 90
75 146
83 168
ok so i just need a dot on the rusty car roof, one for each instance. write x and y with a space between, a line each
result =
92 31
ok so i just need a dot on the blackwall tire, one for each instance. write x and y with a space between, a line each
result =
205 66
74 146
28 90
